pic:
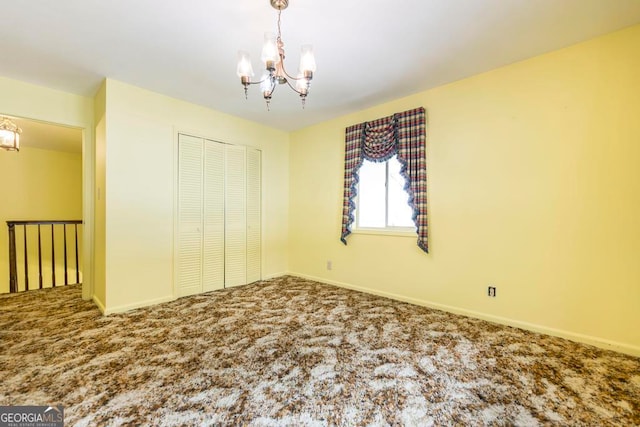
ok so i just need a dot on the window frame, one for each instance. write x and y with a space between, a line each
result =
388 230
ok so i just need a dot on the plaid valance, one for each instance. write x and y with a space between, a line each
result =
403 134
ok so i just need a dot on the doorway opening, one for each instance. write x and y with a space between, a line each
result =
42 242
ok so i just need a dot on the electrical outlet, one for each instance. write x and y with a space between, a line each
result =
329 265
491 291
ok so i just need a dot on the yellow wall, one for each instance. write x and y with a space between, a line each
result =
41 185
26 100
141 158
100 120
534 187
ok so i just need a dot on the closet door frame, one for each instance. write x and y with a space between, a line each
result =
175 173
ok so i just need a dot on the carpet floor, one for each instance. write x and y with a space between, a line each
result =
289 351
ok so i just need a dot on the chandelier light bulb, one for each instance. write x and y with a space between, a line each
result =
266 87
302 85
307 59
270 55
245 69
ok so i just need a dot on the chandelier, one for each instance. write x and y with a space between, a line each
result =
9 135
273 59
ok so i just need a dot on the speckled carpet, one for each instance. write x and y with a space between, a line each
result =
290 351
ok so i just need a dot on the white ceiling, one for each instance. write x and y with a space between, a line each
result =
368 51
47 136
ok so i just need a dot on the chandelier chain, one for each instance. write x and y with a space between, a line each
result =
279 31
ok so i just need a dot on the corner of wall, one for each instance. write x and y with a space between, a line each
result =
99 304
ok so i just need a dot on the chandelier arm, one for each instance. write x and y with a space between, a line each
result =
284 70
255 83
296 90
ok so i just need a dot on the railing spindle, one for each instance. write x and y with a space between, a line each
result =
14 284
53 258
66 276
26 259
13 269
40 256
77 267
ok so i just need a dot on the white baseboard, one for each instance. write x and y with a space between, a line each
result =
274 275
127 307
146 303
573 336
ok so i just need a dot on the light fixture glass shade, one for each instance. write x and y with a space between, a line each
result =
302 85
9 135
245 69
266 86
307 59
270 49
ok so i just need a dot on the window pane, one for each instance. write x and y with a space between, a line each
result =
400 212
371 195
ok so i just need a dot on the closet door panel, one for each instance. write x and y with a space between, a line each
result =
253 203
213 219
235 216
189 245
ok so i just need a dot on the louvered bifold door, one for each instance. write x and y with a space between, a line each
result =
213 245
253 215
235 216
189 245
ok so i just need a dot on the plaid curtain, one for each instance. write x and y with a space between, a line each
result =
402 134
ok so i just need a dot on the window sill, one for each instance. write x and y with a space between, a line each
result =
385 232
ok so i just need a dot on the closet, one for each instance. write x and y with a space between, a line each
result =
218 242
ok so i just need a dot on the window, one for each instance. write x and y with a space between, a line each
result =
378 189
382 202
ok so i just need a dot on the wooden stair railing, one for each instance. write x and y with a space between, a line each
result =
13 261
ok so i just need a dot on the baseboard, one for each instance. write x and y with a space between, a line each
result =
274 275
141 304
581 338
127 307
99 303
